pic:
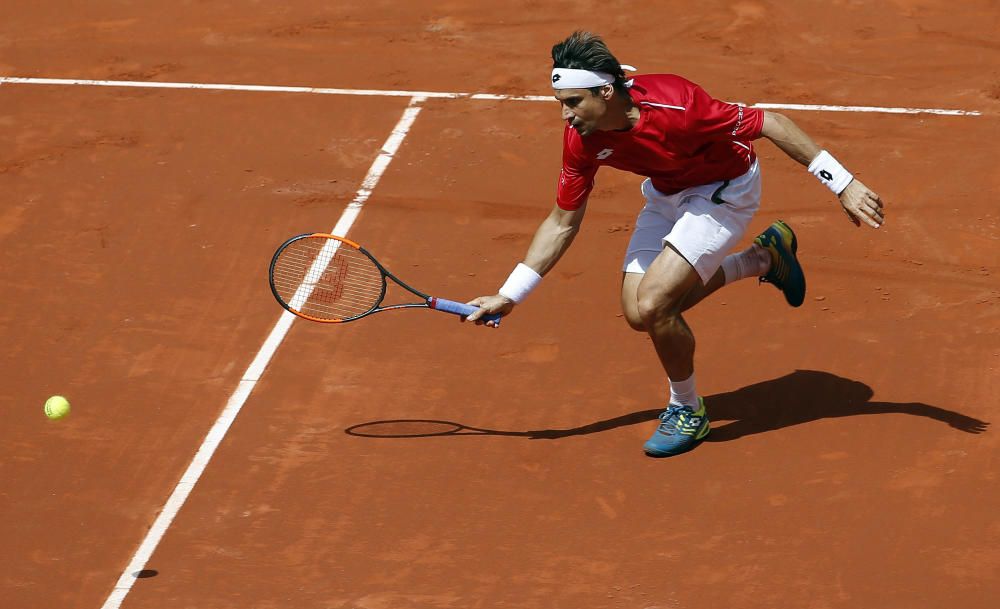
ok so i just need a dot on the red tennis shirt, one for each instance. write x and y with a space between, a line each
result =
684 138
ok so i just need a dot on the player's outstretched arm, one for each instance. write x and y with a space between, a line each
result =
551 240
860 203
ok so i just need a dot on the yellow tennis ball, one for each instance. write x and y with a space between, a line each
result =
56 407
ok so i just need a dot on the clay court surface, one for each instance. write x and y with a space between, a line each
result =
407 461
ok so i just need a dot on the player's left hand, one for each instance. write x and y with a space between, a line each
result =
862 205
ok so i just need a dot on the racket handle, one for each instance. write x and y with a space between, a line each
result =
459 308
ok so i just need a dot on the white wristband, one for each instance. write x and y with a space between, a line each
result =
830 172
522 280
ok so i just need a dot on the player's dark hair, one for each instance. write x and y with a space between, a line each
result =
587 51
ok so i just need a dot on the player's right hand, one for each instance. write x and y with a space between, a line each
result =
487 305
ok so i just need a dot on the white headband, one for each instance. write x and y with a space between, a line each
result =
569 78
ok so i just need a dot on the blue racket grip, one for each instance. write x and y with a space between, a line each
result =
459 308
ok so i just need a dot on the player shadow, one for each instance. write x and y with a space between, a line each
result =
794 399
809 395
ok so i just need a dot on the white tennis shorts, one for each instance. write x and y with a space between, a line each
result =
703 223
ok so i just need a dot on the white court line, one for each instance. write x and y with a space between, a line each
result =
434 94
822 108
253 373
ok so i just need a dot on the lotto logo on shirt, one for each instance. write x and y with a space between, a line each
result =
739 122
605 153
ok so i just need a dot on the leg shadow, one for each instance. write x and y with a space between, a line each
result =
809 395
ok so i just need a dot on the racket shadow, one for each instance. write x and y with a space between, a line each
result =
426 428
794 399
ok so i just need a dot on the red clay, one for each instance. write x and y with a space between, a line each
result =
852 457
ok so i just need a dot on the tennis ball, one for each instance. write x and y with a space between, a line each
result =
56 407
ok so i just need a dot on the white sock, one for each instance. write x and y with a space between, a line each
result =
683 392
754 261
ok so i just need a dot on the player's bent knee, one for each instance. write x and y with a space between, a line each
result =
634 321
654 308
630 308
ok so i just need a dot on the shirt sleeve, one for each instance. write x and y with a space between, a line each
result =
576 178
717 120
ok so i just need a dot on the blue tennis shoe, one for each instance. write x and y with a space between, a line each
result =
785 272
680 429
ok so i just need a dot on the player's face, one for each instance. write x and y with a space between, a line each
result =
582 109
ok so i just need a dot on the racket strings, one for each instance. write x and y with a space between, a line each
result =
327 279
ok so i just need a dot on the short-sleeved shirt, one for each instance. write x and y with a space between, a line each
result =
683 138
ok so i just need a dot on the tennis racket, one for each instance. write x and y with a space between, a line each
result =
330 279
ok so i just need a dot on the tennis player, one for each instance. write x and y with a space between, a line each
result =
703 186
